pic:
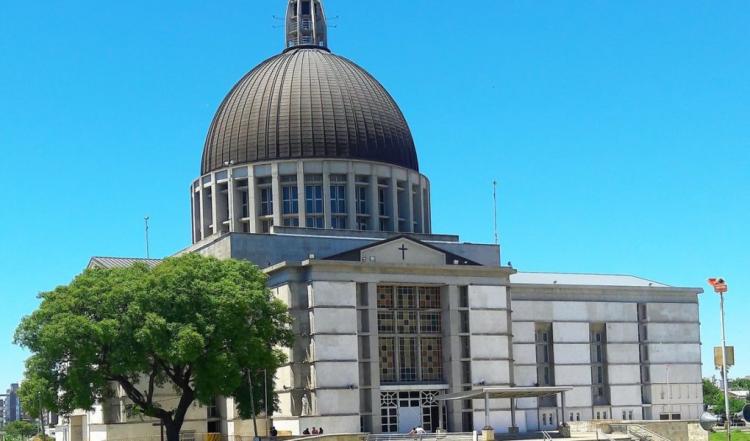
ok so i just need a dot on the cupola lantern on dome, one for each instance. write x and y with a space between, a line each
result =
309 139
306 24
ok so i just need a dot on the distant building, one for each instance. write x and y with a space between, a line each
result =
310 171
12 410
2 411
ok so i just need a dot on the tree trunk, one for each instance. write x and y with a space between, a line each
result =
172 431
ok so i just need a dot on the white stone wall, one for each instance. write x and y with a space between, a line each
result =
673 341
335 370
491 351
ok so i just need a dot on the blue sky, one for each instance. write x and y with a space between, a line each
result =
618 131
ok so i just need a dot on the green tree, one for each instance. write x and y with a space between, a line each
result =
201 326
20 429
741 384
714 397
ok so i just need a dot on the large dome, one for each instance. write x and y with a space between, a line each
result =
308 103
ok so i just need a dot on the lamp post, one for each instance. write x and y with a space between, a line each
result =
720 287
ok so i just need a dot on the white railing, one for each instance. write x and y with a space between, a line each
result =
547 436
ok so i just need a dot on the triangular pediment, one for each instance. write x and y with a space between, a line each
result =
402 251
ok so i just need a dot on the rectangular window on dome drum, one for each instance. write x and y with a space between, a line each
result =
291 222
314 222
314 199
339 222
266 201
338 194
362 199
290 204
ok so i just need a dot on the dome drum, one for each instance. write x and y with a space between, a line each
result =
310 193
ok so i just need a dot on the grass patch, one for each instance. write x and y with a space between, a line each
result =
736 436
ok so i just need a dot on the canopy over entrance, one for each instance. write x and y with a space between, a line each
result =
507 392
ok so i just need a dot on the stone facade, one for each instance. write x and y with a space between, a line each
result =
647 365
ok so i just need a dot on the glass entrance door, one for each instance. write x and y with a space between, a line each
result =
409 418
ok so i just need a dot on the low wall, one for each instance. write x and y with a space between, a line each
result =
679 430
335 437
675 430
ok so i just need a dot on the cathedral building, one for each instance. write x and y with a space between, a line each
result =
310 171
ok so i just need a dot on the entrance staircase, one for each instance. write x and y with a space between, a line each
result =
638 432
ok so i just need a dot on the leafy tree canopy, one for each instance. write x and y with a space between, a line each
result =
203 326
20 429
714 397
740 384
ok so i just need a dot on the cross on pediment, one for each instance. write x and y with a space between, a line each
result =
403 250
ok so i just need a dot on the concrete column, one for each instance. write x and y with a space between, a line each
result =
326 196
301 193
410 204
562 405
420 218
427 203
196 237
230 203
372 302
373 202
488 433
351 209
394 203
276 190
214 204
201 203
252 197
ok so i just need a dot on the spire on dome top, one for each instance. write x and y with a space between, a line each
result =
306 24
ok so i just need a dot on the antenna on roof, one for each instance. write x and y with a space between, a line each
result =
494 202
145 222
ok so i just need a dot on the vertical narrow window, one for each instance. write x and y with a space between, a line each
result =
407 354
387 359
338 202
545 361
244 207
361 201
383 212
289 201
314 201
463 296
266 196
362 190
403 205
600 392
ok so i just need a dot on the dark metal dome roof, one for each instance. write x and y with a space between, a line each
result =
308 103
